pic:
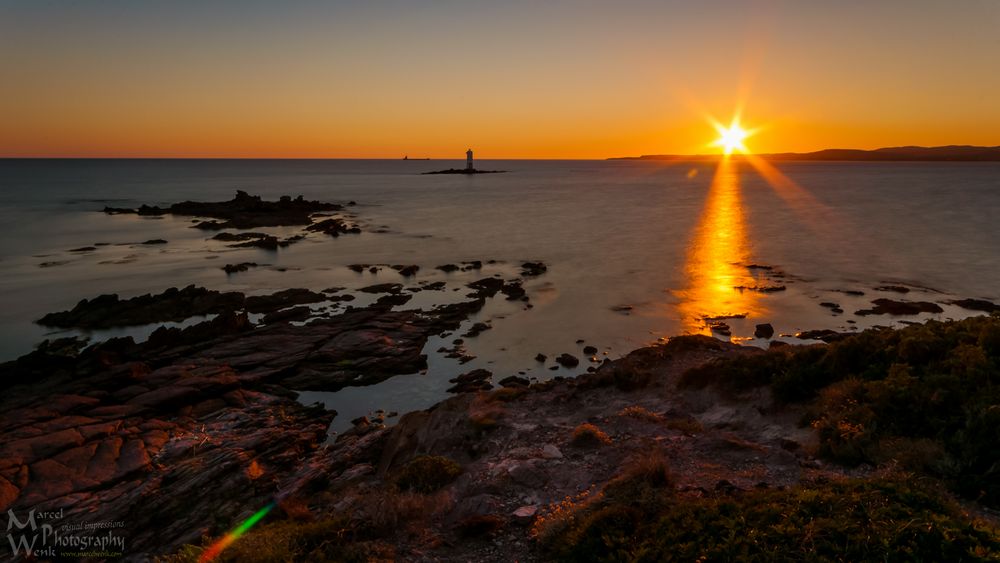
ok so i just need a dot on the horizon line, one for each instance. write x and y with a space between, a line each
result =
653 156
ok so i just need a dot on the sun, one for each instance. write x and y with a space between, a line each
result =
731 138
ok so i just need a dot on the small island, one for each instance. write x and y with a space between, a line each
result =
469 168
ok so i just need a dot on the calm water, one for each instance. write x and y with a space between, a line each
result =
669 240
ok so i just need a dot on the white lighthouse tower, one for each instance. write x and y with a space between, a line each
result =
468 159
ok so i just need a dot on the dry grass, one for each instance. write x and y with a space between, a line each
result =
686 424
506 394
589 436
640 413
388 510
557 517
426 474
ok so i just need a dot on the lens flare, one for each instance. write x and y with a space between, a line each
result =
216 548
731 138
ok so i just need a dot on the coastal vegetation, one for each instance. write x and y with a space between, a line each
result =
641 517
925 397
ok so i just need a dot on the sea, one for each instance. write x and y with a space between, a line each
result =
636 251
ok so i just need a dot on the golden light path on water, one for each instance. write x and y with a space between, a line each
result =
717 257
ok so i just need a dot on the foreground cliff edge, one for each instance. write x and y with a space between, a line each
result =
879 445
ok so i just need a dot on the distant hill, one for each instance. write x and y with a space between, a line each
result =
951 153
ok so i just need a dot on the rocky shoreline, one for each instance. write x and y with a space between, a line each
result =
186 434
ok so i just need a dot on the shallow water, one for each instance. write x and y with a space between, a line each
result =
669 240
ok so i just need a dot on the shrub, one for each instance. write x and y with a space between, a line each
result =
485 414
506 394
426 474
853 520
640 413
932 386
629 374
286 540
587 435
643 479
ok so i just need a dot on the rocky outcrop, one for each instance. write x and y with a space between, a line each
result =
173 304
893 307
241 267
242 212
187 433
764 330
977 305
334 227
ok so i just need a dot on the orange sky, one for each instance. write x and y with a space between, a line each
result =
582 79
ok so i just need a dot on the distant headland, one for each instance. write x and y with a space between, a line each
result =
951 153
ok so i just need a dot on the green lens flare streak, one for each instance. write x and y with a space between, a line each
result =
216 548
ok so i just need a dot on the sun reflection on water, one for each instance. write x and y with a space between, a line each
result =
717 257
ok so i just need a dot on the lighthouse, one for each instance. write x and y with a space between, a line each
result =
468 159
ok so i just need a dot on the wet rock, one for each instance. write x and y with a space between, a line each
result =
299 313
568 360
83 249
720 327
225 324
590 350
392 300
359 268
239 237
241 267
383 288
513 291
475 380
118 210
407 271
893 288
334 227
540 358
282 299
174 304
764 330
244 211
266 242
448 268
476 329
976 305
851 292
761 288
533 269
154 241
892 307
711 319
486 287
825 335
514 381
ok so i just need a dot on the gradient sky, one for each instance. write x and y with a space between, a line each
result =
511 78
